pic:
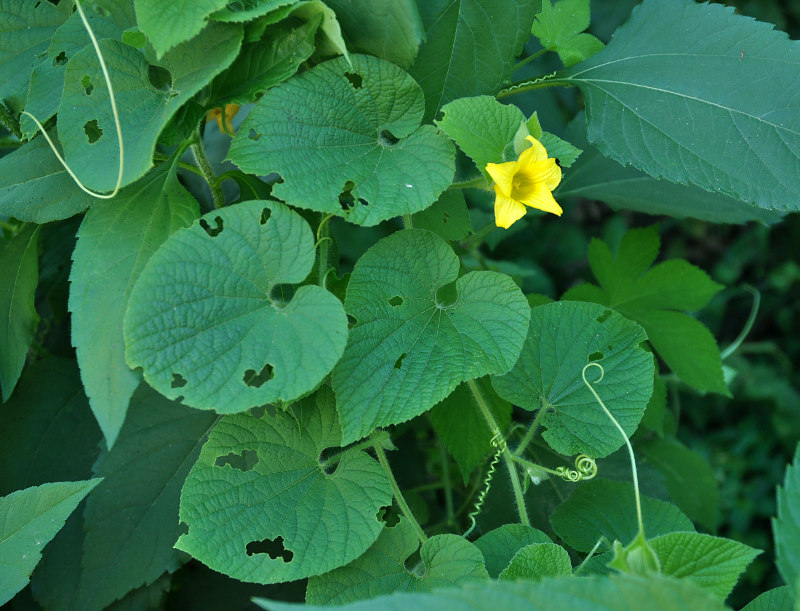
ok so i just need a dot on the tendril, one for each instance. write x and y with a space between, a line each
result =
585 468
499 443
114 112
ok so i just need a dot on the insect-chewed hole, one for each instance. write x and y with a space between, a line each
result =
387 138
265 214
243 461
212 231
388 516
396 301
446 217
346 199
159 77
178 381
355 79
399 362
414 565
596 356
363 202
257 380
60 59
351 321
253 135
86 83
273 547
92 130
604 316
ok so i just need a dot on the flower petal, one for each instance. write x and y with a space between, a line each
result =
506 210
530 176
536 152
541 199
503 175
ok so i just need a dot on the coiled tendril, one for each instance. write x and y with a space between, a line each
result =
585 468
500 444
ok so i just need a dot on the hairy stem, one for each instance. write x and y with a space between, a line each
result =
208 172
531 433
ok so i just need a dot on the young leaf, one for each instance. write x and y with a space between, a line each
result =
28 520
19 273
115 241
499 546
260 505
713 563
604 508
537 561
562 338
469 47
419 331
446 560
558 27
447 217
786 527
169 23
707 130
211 318
777 599
369 158
657 299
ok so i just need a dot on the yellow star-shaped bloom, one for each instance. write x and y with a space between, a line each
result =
528 181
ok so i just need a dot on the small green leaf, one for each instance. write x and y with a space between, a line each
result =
713 563
446 560
460 425
246 10
558 28
29 519
537 561
260 505
563 151
602 508
212 319
447 217
356 130
115 241
563 338
499 546
19 274
419 331
168 24
786 527
777 599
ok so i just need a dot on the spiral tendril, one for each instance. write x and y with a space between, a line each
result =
585 468
500 444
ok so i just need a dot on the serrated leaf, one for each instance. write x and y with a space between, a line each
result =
168 24
563 337
537 561
469 47
246 10
656 299
713 563
602 508
19 274
261 507
356 131
210 318
115 241
447 217
446 560
130 521
147 95
777 599
27 28
462 428
499 546
419 331
558 28
688 477
563 151
707 130
786 526
389 29
615 593
29 519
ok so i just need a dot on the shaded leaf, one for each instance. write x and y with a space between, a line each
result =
537 561
168 24
447 217
786 526
777 599
499 546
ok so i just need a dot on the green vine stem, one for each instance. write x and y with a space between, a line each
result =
408 223
476 238
398 495
532 430
522 87
751 319
323 243
479 182
508 457
530 58
208 172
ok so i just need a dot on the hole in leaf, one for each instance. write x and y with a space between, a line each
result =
92 131
183 528
179 399
159 77
387 138
253 135
604 316
387 516
558 162
399 362
265 214
446 296
445 217
258 411
86 83
346 199
396 301
363 202
257 380
273 547
244 461
351 321
60 59
355 79
212 231
596 356
178 381
281 294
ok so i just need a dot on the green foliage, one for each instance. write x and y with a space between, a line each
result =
500 545
787 525
168 24
560 28
537 561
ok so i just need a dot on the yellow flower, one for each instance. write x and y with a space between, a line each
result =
528 181
216 114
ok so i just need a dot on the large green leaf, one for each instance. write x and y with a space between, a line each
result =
786 527
537 561
346 139
168 24
210 318
657 298
563 338
447 217
713 563
419 331
131 521
615 593
445 560
731 127
499 546
28 520
260 506
604 508
469 47
147 96
115 241
19 274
